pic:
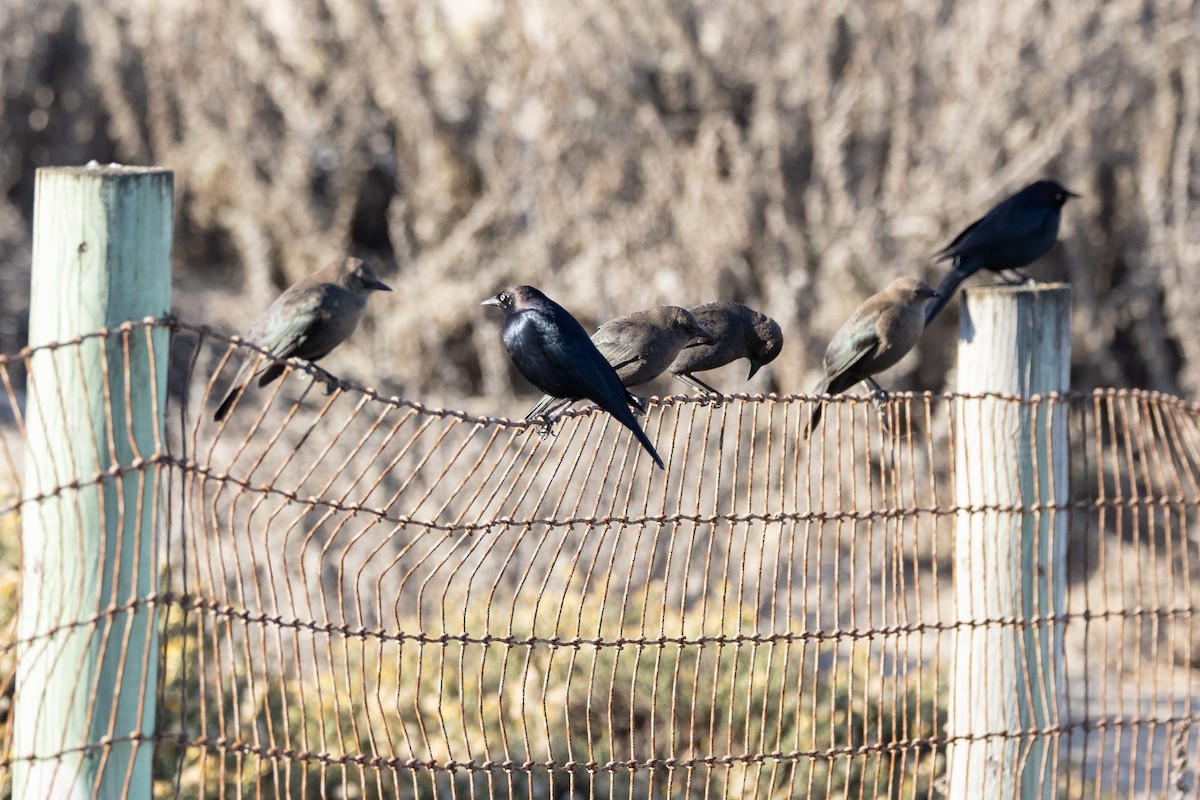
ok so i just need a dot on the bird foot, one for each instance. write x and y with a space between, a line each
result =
545 427
716 399
879 399
330 380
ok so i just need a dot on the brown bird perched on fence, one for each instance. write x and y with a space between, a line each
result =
878 334
640 346
307 321
736 332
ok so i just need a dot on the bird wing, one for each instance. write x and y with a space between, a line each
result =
590 368
285 330
843 355
288 323
846 352
621 351
950 250
621 364
998 228
561 361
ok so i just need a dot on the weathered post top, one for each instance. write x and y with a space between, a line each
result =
1014 319
101 248
110 169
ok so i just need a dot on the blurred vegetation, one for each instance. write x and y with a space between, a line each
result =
793 155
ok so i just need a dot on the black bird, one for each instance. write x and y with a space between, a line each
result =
878 334
1016 232
641 345
736 332
307 321
553 352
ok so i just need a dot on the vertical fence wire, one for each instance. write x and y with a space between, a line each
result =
363 597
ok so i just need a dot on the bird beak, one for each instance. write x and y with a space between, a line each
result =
379 286
701 338
1069 193
492 301
754 367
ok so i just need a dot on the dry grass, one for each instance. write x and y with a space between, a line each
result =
794 155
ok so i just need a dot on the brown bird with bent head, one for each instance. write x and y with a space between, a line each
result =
736 332
878 334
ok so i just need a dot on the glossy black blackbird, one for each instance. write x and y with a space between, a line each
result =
552 350
1014 233
641 345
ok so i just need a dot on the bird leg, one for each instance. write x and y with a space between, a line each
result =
879 399
331 380
691 380
546 427
541 406
879 395
544 411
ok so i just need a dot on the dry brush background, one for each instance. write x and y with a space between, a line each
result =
794 155
620 153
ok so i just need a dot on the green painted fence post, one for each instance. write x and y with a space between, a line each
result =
88 652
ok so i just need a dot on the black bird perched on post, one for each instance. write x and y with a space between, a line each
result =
553 352
736 332
641 345
878 334
307 321
1015 232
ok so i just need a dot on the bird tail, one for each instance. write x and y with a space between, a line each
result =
945 291
624 415
227 403
646 443
818 408
240 381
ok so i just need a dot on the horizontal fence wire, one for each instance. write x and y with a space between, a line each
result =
360 596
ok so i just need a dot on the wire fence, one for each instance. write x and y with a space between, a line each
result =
359 596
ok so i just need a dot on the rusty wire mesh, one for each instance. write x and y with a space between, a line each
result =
363 597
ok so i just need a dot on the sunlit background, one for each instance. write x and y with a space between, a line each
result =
620 153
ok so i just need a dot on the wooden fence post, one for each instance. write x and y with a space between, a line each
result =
1011 482
87 654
